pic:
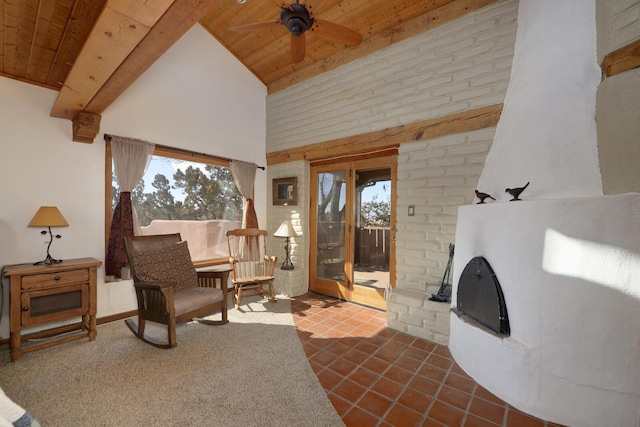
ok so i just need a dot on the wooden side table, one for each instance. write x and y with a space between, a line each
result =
40 294
207 276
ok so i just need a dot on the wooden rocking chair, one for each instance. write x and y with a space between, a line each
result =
252 268
168 288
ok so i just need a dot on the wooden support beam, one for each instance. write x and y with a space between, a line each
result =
118 30
126 40
86 126
621 60
178 19
466 121
421 24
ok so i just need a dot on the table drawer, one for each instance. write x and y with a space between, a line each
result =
45 280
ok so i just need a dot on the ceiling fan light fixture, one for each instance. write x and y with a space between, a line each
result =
296 19
296 25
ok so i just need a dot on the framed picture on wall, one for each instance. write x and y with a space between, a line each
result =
285 191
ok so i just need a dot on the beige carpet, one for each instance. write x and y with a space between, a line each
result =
250 372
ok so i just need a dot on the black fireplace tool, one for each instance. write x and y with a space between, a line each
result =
444 293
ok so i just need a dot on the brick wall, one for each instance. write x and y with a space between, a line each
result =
296 281
435 176
619 23
618 100
459 66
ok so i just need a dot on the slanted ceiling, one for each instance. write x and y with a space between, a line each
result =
91 51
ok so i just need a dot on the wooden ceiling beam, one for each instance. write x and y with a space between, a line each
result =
624 59
466 121
115 34
179 18
86 126
2 36
126 40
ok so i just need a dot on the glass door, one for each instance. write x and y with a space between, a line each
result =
328 249
353 230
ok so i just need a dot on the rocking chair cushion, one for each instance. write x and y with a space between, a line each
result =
168 263
190 300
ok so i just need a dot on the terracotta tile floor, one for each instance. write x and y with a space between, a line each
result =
376 376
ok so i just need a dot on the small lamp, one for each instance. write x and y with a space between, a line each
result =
48 216
286 230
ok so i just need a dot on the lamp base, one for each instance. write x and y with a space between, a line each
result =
48 261
287 264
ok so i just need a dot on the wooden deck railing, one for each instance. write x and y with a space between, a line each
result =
372 247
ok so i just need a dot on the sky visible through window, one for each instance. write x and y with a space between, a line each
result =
381 189
167 167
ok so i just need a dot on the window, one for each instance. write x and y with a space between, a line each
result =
187 193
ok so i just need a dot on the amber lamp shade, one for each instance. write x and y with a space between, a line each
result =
48 216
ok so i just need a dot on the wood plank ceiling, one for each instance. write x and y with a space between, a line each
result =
92 50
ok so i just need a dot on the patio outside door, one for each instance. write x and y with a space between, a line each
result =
353 229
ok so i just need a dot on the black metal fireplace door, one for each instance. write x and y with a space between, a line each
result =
480 296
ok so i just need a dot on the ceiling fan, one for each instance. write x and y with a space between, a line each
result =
298 18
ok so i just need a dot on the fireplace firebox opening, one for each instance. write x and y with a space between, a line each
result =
480 298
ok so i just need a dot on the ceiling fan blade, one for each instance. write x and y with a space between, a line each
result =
312 6
257 25
283 5
298 45
335 32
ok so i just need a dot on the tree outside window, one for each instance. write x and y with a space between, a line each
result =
198 200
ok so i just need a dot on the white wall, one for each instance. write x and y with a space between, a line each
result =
547 131
197 96
41 166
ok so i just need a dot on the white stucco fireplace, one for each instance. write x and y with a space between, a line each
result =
567 257
569 270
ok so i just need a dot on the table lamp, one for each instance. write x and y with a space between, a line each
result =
48 216
286 230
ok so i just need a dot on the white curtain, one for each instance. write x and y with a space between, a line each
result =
244 175
131 158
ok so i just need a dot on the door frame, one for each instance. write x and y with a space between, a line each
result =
347 290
